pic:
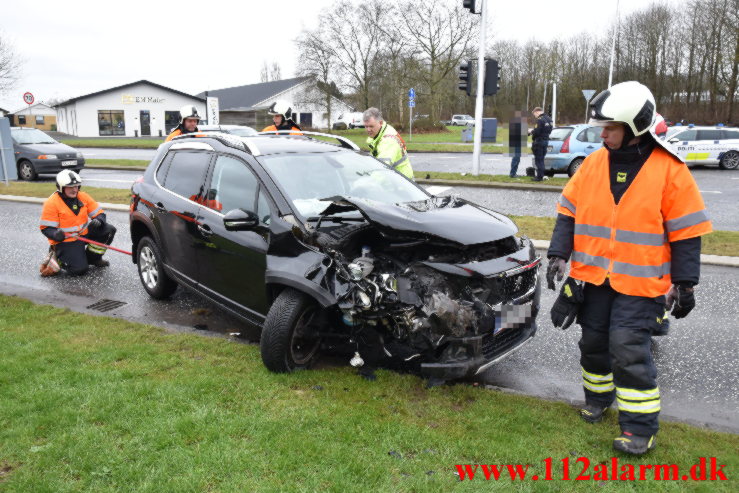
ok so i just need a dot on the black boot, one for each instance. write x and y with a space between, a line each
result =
592 413
634 444
101 262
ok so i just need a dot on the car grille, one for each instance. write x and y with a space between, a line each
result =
519 284
494 345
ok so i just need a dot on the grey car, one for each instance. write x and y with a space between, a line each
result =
36 153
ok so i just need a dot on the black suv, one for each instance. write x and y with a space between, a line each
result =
322 246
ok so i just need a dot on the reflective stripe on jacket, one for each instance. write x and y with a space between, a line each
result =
630 242
57 214
389 148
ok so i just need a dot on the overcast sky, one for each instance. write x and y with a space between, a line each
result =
80 46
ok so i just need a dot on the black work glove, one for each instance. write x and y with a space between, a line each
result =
95 224
567 304
556 267
683 298
59 235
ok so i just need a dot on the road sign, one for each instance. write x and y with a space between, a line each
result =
411 104
588 93
28 98
213 111
412 93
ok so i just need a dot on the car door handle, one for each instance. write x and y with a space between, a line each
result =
589 147
205 230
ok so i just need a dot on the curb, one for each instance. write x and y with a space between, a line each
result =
720 260
491 184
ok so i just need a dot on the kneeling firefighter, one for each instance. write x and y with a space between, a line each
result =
630 221
70 213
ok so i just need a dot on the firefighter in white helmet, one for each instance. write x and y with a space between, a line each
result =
189 120
282 118
70 213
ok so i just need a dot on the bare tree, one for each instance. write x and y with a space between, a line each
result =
317 60
10 65
264 73
275 72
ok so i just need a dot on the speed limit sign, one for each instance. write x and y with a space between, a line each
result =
28 98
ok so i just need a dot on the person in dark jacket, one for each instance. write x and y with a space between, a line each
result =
516 140
540 137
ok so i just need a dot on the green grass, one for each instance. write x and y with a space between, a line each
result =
439 175
114 143
44 189
123 163
99 404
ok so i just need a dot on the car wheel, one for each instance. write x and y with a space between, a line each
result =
351 126
574 166
155 280
730 160
26 171
289 340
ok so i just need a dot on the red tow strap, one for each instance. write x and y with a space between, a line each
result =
80 238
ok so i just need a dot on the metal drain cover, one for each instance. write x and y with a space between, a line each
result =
106 305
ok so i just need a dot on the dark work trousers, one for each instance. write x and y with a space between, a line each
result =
539 148
515 159
76 256
616 357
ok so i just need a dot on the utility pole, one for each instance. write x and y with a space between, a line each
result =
480 91
613 46
554 104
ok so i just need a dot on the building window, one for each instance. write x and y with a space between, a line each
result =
21 119
171 120
110 122
39 119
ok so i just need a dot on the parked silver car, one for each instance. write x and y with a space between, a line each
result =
37 153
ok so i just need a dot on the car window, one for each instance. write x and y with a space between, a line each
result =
232 186
687 135
263 208
593 135
186 174
709 134
730 134
582 136
31 136
560 133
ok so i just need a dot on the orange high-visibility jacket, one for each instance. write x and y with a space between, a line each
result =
57 214
174 134
630 242
273 128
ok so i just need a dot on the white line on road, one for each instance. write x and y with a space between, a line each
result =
709 191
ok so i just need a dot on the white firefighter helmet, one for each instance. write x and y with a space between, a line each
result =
188 111
281 107
630 103
67 178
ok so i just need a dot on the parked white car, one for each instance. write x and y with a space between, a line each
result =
349 120
462 120
706 145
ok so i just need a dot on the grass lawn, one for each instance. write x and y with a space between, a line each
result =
44 189
439 175
124 163
99 404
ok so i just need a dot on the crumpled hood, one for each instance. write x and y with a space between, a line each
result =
449 218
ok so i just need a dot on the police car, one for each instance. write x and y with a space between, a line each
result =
706 145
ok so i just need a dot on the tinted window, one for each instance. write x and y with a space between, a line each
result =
687 135
593 135
187 173
582 136
162 171
560 133
263 209
709 134
730 134
233 186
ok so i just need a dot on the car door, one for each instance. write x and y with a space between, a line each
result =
182 181
684 144
708 147
234 262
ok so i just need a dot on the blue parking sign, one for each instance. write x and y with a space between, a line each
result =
411 104
412 93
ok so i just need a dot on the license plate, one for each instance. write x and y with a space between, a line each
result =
69 163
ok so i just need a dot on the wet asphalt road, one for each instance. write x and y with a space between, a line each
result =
698 363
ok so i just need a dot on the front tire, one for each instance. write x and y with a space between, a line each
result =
730 160
155 280
289 340
26 171
574 166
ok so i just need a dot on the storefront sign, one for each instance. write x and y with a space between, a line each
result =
131 99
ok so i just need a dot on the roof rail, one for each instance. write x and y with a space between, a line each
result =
224 138
343 141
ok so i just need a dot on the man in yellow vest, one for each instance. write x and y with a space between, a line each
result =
386 144
630 221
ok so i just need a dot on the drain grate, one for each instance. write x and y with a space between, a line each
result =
106 305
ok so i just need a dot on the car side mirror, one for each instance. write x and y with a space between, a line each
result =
673 140
240 220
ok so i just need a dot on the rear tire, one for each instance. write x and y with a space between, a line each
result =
288 341
26 171
155 280
730 160
574 166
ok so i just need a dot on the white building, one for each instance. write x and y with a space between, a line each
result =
140 108
247 105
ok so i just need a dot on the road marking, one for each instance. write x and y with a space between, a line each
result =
709 191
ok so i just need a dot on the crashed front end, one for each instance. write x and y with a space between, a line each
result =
413 297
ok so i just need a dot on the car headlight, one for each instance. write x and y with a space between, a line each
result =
47 156
79 155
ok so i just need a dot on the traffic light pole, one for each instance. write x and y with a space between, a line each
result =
480 91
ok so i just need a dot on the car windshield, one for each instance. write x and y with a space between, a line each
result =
31 136
560 133
242 131
306 179
673 131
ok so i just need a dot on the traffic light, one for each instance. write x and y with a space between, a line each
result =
464 77
492 77
469 5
